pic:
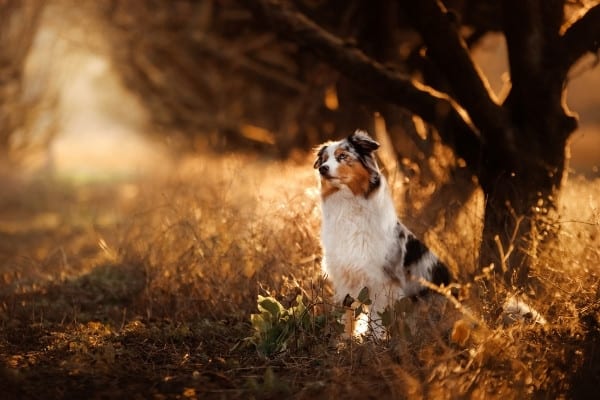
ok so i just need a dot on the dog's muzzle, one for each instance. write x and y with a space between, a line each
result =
324 170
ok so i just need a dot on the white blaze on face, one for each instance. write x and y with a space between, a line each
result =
330 160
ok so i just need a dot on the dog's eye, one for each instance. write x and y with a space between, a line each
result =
342 157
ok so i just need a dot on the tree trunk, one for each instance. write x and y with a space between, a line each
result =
524 165
521 181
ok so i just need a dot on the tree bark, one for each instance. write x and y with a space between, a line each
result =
522 178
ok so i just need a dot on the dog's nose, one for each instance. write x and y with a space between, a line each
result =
323 169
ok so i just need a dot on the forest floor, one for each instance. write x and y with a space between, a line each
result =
144 288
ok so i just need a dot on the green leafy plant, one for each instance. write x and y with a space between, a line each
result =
363 300
275 325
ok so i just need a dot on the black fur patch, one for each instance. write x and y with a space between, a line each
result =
362 142
415 249
374 180
440 274
319 159
363 146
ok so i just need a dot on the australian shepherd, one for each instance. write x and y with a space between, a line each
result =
364 243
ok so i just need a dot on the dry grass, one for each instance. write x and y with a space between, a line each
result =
144 289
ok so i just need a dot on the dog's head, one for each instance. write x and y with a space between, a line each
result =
349 163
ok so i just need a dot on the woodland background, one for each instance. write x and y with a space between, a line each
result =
156 177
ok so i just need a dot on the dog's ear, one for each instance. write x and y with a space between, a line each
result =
319 159
362 142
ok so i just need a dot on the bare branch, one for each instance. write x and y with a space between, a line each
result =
219 49
582 36
449 52
373 77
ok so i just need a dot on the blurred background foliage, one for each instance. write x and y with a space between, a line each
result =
18 107
209 75
173 265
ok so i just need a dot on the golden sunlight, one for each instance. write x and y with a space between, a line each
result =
101 129
164 234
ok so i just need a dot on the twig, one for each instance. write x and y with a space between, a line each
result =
445 291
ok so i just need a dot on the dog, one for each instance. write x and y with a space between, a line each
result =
364 243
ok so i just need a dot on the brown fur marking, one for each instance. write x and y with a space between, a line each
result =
338 151
327 188
354 175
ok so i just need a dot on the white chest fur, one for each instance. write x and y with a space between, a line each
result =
358 237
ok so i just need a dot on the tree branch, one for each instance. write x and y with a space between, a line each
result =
434 107
448 51
225 51
582 36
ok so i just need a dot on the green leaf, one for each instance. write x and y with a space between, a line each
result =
386 317
348 300
261 323
363 296
298 310
404 306
301 316
320 321
271 305
358 310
